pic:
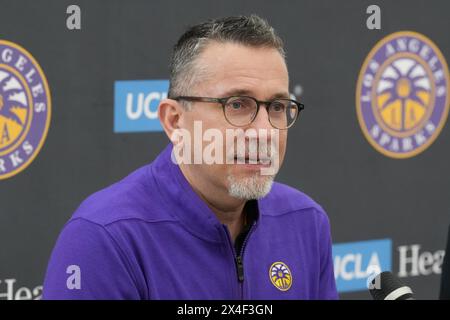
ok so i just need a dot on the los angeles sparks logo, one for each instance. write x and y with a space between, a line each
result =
25 108
281 276
402 94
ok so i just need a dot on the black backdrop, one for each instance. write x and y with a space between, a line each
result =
366 194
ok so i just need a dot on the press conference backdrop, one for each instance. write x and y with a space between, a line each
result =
78 112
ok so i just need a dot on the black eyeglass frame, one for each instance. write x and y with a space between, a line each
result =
223 102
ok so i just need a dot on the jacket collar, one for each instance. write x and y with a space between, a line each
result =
183 202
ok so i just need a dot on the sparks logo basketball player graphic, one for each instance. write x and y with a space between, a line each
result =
25 108
402 94
281 276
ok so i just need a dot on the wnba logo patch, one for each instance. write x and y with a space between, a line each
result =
281 276
402 94
25 108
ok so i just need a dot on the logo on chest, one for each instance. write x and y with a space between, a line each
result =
280 276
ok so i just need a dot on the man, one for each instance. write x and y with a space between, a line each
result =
181 228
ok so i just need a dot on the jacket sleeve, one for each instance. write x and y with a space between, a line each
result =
87 263
327 289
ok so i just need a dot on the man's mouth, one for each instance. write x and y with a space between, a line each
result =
253 160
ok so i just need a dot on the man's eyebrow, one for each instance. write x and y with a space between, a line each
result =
281 95
245 92
237 92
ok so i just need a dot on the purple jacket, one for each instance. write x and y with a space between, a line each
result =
150 236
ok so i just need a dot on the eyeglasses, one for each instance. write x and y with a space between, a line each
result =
240 111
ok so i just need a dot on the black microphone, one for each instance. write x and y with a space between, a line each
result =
385 286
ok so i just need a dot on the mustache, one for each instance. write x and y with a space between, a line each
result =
253 150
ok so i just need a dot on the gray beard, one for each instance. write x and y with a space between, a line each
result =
249 188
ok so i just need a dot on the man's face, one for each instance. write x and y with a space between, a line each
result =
234 69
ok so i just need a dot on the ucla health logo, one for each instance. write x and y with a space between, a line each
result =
402 94
136 105
25 109
357 262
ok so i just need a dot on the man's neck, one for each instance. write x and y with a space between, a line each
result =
234 220
229 210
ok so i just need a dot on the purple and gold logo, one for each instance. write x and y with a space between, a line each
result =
25 109
402 94
280 276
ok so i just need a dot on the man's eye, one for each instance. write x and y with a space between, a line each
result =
277 107
236 105
239 105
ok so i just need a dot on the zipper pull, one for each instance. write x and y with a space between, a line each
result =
240 268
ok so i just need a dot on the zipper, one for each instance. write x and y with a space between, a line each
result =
240 268
238 259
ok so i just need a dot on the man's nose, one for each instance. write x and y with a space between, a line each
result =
262 119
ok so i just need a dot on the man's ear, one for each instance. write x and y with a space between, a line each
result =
169 113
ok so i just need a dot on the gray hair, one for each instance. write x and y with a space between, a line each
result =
247 30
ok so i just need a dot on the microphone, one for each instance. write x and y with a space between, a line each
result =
385 286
